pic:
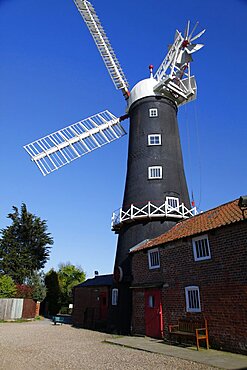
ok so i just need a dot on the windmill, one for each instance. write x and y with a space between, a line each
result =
156 194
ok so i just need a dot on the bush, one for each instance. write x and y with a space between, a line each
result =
7 287
24 291
64 310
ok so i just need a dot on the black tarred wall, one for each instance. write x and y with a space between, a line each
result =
139 189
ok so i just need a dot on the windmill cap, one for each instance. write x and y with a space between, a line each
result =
142 89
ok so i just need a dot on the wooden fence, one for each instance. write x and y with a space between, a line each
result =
17 308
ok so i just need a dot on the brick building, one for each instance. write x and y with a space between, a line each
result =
197 269
91 302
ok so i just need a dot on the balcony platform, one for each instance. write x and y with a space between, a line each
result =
171 209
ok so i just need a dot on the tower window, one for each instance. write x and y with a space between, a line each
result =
114 297
154 139
153 112
173 202
155 172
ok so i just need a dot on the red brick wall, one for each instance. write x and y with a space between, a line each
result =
222 281
87 298
138 312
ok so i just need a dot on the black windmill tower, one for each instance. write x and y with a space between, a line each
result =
156 194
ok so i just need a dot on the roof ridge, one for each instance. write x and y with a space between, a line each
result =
212 209
222 215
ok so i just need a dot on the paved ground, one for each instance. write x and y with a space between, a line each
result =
42 345
218 359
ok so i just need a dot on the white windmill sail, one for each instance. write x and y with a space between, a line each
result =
102 42
173 75
62 147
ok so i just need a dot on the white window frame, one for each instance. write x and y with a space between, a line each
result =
153 259
153 112
192 298
173 202
154 139
152 172
114 297
201 248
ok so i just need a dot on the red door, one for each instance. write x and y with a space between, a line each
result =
153 313
103 305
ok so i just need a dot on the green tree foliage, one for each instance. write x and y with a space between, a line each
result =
24 245
37 282
7 287
53 292
69 276
59 286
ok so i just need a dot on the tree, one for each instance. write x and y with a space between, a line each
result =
24 245
37 282
69 276
34 287
7 287
53 292
59 286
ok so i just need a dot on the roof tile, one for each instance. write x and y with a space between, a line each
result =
217 217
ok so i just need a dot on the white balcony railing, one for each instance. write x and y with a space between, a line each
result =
170 209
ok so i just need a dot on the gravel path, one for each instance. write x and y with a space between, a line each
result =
42 345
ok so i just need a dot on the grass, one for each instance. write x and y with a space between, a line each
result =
37 318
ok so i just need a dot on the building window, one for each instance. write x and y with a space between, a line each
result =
153 259
154 139
114 296
153 112
155 172
151 301
201 248
192 297
173 202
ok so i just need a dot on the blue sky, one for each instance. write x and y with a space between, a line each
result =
51 75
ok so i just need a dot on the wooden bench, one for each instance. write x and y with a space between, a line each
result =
189 328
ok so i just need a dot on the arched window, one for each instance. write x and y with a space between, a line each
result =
114 297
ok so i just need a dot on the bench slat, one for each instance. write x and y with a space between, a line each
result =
191 328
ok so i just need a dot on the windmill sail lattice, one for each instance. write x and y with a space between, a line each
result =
173 75
103 44
61 147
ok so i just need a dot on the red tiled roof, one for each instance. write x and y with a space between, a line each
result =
220 216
